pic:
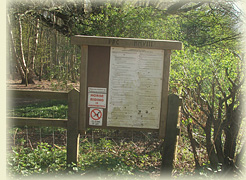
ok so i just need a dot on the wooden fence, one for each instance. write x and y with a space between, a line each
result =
71 124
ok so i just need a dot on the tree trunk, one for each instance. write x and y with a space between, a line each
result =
14 51
28 74
73 57
228 135
233 118
56 60
209 145
35 47
25 74
218 133
40 70
193 145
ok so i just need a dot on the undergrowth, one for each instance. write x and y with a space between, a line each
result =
105 158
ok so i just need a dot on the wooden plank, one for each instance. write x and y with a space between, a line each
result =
165 89
98 76
14 93
72 127
170 142
83 89
125 42
40 122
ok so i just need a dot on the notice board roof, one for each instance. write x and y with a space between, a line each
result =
126 42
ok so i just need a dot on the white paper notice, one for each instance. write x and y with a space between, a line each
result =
135 82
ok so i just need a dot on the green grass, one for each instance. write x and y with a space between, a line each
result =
46 109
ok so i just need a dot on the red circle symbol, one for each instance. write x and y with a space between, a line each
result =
96 114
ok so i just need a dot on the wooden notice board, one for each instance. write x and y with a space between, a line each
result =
124 82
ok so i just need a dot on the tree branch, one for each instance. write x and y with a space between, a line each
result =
174 8
60 28
227 75
236 36
192 7
188 114
219 85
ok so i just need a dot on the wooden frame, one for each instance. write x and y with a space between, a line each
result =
126 42
87 41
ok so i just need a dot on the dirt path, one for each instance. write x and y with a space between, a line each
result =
52 85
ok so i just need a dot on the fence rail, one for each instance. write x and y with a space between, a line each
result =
37 94
45 122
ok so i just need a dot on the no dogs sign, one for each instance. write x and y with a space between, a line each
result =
96 116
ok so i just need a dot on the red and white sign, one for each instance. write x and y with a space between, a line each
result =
96 116
97 97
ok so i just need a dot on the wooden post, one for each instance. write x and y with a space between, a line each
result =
164 95
170 142
83 88
72 127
